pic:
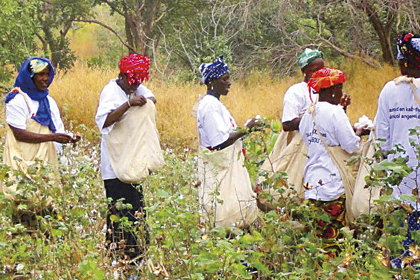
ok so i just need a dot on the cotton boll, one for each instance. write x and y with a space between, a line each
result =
19 267
364 121
257 118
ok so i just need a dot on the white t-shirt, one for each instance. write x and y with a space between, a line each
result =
112 97
296 101
17 112
321 174
398 112
214 122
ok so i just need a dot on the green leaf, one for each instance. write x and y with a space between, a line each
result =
325 217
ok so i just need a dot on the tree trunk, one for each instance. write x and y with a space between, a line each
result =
383 31
133 19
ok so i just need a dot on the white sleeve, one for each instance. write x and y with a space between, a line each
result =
215 128
292 105
107 103
344 132
17 112
143 90
382 121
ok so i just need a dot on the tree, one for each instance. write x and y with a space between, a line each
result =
16 37
140 18
55 20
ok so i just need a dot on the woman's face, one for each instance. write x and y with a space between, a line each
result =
222 85
312 67
41 79
129 89
337 93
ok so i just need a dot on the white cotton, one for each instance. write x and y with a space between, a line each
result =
257 118
19 267
364 122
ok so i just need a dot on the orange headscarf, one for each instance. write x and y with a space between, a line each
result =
326 77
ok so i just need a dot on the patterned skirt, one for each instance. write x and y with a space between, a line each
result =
329 219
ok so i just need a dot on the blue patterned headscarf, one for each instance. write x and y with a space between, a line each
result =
212 71
24 81
408 49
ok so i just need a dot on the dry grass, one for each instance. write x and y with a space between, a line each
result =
77 94
364 84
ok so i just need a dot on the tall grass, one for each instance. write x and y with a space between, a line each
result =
77 94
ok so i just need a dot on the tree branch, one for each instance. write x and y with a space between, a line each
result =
131 48
347 54
113 7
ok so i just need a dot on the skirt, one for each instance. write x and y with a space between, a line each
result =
330 218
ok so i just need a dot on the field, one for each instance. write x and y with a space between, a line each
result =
69 243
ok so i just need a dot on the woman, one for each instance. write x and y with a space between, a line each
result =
296 99
326 125
30 100
289 151
34 122
221 170
398 113
129 149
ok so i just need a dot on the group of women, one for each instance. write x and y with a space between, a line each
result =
316 108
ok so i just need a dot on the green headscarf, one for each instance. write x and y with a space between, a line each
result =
307 56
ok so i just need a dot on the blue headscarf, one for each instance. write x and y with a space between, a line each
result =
215 70
26 84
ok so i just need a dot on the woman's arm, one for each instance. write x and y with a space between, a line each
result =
115 115
233 136
291 125
23 135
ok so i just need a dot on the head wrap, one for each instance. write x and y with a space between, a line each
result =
408 49
307 56
326 77
24 81
135 67
212 71
36 66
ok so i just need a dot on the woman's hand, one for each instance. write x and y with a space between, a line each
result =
62 138
345 100
253 122
74 137
138 100
365 130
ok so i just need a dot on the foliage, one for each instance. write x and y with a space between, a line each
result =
16 36
53 20
69 243
179 35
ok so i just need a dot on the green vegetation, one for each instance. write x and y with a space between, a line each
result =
69 243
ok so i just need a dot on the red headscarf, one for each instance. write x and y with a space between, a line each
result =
136 67
326 77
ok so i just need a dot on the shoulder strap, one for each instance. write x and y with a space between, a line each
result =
313 113
24 97
413 85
